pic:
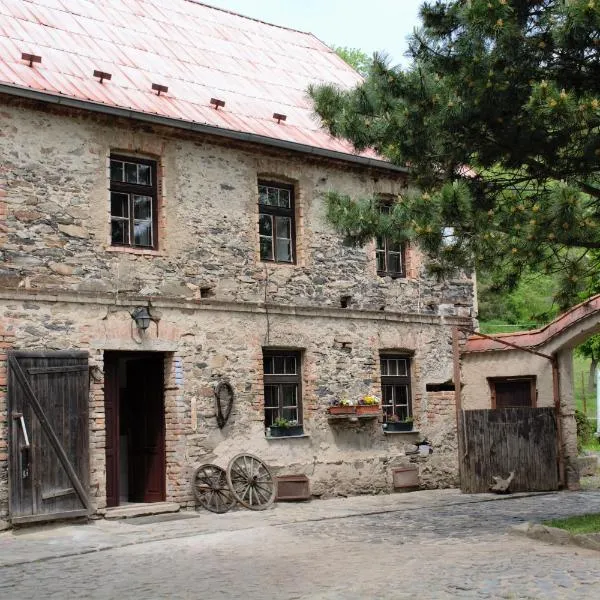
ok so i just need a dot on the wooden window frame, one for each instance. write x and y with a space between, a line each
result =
284 379
397 380
278 211
384 205
137 189
492 381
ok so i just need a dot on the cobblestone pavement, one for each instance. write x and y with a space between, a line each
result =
421 545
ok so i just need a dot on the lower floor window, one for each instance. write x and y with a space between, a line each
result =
282 387
395 388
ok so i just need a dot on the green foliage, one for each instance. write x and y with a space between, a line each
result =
360 61
510 88
585 430
578 524
283 423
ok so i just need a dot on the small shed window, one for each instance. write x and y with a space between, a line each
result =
513 392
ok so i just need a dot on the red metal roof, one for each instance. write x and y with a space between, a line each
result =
198 51
536 337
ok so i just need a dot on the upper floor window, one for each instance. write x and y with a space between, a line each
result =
396 399
282 381
133 201
277 228
390 255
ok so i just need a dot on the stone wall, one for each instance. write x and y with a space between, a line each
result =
62 286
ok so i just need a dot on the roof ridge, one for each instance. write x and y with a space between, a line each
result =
237 14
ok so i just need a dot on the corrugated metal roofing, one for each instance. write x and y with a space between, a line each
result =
198 51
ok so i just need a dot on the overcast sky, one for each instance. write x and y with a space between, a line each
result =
369 25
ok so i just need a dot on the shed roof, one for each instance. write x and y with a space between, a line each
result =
199 52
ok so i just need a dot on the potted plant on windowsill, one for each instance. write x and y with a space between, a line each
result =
394 423
368 405
284 428
342 406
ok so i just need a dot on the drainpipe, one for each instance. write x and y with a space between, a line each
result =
598 401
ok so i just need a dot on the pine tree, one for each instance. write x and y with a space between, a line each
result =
499 120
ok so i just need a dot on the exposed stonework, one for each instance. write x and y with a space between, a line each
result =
63 286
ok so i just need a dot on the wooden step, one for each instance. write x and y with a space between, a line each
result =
137 510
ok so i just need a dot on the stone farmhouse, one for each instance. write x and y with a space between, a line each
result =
162 231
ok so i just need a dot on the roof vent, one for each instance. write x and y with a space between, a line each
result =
159 88
102 75
32 58
279 117
217 103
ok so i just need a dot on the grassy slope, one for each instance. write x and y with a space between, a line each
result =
579 524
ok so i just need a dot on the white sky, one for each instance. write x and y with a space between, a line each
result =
370 25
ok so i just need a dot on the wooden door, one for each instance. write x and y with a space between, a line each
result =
48 396
147 429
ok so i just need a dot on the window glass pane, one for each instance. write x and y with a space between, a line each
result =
381 261
270 416
265 225
266 248
116 170
291 414
119 232
380 243
284 250
394 262
290 395
144 175
263 197
290 365
142 231
271 396
402 366
387 394
119 205
279 368
142 207
131 172
284 227
268 365
284 199
272 197
384 369
392 367
401 395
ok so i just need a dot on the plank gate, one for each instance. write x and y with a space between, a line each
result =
48 396
495 442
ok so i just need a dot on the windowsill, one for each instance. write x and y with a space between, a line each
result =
400 432
287 437
138 251
390 275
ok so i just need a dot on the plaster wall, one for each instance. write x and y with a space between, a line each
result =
476 368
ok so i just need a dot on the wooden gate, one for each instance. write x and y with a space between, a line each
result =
497 441
48 396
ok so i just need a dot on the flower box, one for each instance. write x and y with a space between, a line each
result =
342 410
292 430
368 409
398 426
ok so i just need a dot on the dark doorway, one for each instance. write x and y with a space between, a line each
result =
135 427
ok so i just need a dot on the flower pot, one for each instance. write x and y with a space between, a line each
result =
286 431
341 410
397 426
368 409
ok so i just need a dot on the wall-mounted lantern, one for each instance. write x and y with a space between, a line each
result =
141 316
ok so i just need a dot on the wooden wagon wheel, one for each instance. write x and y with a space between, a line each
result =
211 489
251 482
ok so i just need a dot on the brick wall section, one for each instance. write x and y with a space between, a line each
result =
7 341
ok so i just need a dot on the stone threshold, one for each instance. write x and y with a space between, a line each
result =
128 511
413 432
286 437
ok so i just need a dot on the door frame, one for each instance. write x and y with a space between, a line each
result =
112 359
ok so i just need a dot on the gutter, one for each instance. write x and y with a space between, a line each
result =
127 113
